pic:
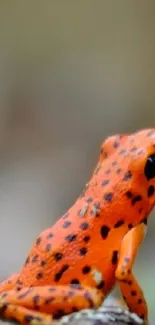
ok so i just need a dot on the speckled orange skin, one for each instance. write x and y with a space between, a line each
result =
74 264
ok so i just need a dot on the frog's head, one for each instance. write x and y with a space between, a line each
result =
130 160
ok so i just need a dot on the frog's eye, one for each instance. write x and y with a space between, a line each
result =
149 169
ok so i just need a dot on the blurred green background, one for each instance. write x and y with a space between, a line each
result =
71 73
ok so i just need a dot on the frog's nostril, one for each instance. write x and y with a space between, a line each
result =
151 190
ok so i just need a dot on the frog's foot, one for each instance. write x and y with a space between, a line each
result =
39 305
24 316
9 283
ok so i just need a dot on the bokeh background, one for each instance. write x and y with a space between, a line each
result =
71 73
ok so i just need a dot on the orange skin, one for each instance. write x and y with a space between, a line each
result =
76 263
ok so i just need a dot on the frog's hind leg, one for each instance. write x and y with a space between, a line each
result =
9 283
35 305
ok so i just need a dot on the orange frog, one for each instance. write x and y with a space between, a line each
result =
75 264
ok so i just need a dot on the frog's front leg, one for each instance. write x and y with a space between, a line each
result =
129 287
37 305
